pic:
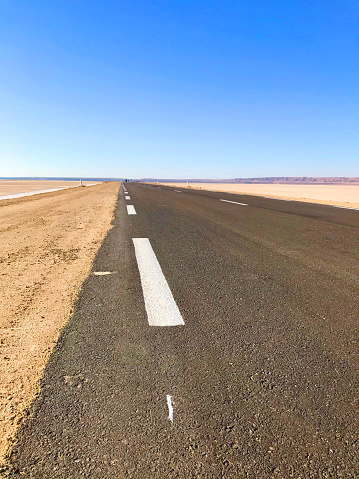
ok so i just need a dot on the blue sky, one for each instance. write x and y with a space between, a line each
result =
206 89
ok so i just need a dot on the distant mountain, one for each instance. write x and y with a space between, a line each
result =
292 180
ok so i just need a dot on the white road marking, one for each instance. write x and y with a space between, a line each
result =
103 273
127 197
170 407
131 210
235 202
178 191
161 307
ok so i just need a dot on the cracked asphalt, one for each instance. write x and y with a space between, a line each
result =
263 375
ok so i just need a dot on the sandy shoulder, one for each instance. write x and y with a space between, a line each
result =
48 243
334 195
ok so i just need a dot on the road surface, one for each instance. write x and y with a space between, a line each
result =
213 339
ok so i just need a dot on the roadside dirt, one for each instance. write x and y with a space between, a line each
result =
47 246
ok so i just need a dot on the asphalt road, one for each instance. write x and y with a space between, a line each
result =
262 378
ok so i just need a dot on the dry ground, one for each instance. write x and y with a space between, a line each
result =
339 195
47 246
9 187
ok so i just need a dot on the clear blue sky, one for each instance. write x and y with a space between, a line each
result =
206 89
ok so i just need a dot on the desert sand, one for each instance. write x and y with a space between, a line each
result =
48 243
9 187
339 195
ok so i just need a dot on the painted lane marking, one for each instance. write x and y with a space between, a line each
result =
103 273
178 191
161 307
235 202
170 407
131 210
127 197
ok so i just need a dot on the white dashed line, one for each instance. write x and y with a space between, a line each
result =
131 210
160 305
178 191
170 407
103 273
127 197
235 202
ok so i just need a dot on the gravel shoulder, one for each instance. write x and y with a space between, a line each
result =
48 243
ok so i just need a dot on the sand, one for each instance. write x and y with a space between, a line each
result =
47 243
339 195
8 187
